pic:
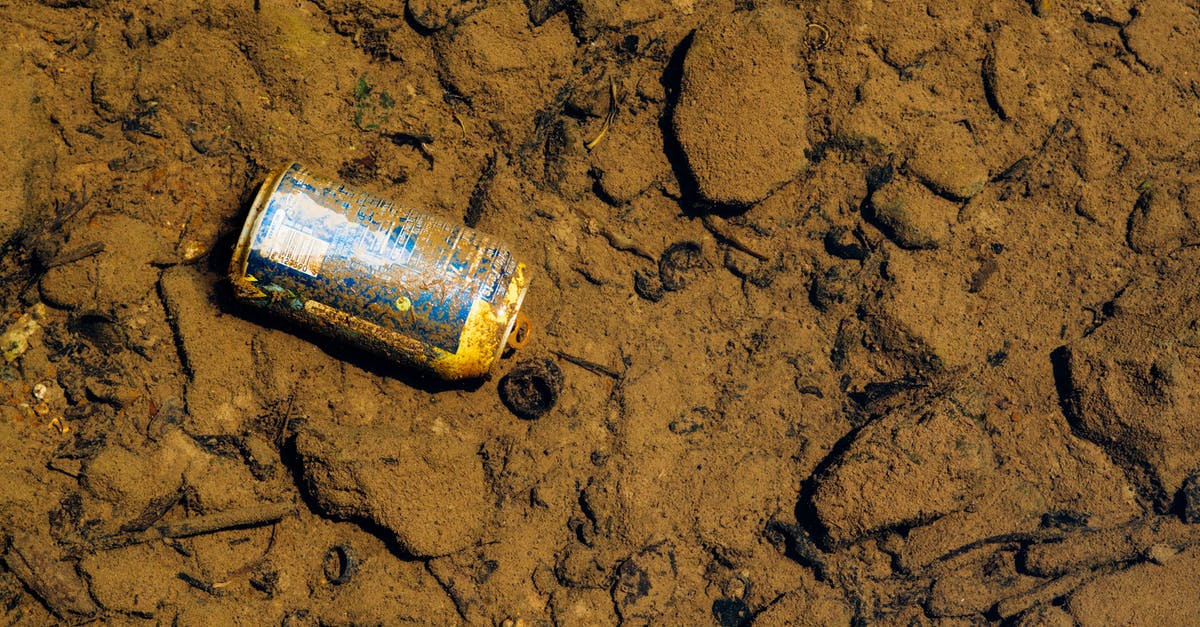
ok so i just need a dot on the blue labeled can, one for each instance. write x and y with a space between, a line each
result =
408 285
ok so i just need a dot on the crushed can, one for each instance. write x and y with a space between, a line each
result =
401 283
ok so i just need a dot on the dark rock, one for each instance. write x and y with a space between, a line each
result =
833 287
645 584
979 278
100 328
1064 519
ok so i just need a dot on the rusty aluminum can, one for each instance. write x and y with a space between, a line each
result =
402 283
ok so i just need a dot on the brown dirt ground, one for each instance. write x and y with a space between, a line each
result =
930 356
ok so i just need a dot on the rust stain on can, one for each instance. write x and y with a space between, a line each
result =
399 282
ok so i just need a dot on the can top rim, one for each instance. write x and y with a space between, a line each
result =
241 252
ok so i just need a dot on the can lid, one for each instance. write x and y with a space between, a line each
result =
241 252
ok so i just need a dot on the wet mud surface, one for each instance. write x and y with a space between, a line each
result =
842 313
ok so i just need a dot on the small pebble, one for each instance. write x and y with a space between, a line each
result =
947 161
1161 553
910 215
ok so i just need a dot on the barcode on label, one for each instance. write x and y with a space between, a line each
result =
297 250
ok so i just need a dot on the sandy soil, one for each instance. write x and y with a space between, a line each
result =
867 312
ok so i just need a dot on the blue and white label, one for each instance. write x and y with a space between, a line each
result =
404 270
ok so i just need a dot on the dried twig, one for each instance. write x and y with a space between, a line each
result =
54 582
211 523
199 584
589 365
723 232
75 254
608 118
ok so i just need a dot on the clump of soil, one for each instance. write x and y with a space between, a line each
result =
853 313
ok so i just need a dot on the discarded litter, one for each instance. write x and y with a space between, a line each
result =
15 340
532 387
398 282
341 562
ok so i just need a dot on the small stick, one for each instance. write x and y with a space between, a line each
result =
722 232
608 118
588 365
54 582
199 584
75 254
211 523
223 521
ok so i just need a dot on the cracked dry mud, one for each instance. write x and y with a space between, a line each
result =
865 312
